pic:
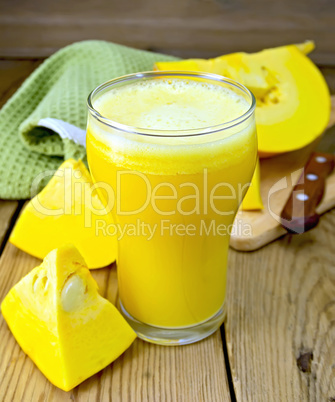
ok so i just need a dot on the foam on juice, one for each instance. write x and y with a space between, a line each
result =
171 105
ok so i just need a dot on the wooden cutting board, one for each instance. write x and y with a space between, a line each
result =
255 229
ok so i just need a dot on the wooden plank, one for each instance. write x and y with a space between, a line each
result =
8 210
281 316
329 74
144 372
13 73
209 26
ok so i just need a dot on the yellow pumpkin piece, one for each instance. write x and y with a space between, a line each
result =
307 47
67 211
253 199
62 323
293 100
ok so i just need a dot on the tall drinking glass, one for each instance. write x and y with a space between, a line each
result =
172 154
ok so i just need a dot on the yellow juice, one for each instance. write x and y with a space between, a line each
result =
176 194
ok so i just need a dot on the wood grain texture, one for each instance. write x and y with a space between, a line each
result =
34 28
281 308
13 73
145 372
329 74
8 210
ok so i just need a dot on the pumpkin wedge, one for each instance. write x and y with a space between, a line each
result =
253 200
62 323
67 210
293 100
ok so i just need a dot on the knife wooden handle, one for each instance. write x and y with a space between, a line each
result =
299 213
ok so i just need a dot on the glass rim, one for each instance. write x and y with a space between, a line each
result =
151 132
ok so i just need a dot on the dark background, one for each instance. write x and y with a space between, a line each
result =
185 27
33 29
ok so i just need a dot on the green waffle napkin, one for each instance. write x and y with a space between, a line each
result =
57 89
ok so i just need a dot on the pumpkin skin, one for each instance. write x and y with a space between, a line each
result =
293 100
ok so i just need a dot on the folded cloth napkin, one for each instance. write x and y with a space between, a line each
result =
44 121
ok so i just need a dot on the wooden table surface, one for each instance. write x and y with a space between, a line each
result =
278 343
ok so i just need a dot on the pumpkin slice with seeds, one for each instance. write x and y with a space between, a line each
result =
62 323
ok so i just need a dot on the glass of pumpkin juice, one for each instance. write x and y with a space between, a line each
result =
172 155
